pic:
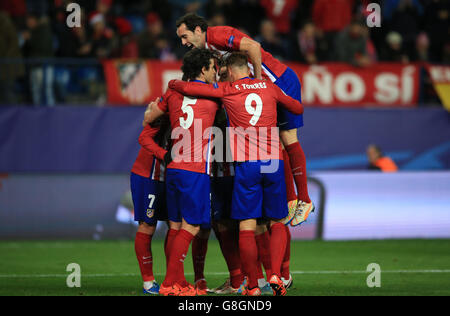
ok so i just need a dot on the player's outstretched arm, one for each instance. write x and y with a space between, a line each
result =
253 50
147 141
291 104
198 89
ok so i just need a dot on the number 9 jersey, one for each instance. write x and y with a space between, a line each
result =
251 108
191 120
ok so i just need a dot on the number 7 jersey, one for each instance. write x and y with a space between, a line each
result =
251 108
191 120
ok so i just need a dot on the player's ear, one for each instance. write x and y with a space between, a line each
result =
198 30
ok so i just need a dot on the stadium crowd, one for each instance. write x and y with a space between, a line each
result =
307 31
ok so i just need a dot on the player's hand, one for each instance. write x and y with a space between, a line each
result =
173 83
146 120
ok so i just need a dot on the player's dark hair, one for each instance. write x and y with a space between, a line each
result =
192 20
194 61
236 59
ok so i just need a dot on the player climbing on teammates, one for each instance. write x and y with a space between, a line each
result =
194 31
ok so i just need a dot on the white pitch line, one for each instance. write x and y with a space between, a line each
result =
101 275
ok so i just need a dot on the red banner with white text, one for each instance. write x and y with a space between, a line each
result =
384 84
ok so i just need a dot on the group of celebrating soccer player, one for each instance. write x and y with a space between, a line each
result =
223 156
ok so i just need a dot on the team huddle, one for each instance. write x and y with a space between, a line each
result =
223 156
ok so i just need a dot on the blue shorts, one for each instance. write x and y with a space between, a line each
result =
290 84
257 194
149 199
221 195
188 197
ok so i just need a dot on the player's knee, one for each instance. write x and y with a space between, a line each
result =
289 137
146 228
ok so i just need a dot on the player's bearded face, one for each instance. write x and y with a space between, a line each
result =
189 38
210 74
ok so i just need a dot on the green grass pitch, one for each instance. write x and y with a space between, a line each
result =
408 267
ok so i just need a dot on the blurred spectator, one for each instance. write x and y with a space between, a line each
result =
182 7
72 41
378 161
422 48
217 19
437 26
393 50
102 37
406 21
351 45
153 42
9 48
247 9
390 6
280 13
271 41
225 8
331 17
128 46
38 43
307 43
302 14
16 10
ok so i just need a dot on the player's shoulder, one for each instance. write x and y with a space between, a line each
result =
170 93
220 35
220 29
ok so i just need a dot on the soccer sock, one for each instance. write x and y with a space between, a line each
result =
277 246
263 243
170 237
175 268
249 256
287 256
199 249
289 178
298 164
230 251
142 247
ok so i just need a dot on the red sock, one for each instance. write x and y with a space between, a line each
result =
289 178
298 165
142 247
287 256
199 249
277 246
249 256
263 243
170 237
230 250
175 268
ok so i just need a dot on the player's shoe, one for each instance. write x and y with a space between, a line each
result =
302 212
154 289
277 286
292 208
200 287
189 290
253 292
243 287
266 289
173 290
223 287
226 288
287 283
